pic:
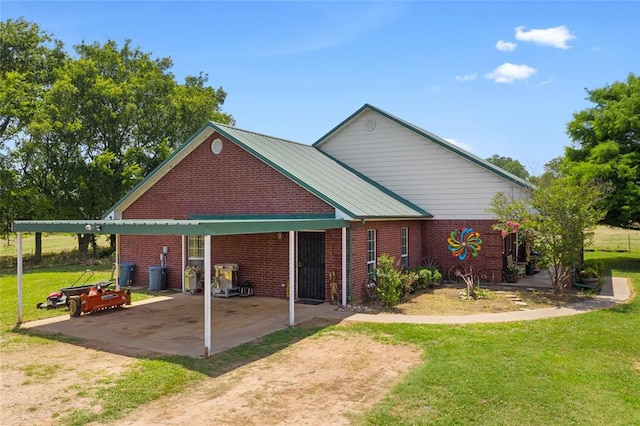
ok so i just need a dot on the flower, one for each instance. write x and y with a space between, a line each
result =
509 227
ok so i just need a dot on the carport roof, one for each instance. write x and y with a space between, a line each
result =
178 227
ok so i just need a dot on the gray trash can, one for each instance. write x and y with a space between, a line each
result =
126 272
157 276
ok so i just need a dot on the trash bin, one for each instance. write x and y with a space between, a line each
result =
126 271
157 276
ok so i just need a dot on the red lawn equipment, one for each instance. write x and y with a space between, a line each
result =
98 299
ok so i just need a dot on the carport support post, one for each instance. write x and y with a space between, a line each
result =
19 278
117 265
292 259
344 266
207 295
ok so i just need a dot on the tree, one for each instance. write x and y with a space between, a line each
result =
28 59
109 118
566 219
607 148
510 165
558 218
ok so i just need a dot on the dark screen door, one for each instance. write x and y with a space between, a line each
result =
311 265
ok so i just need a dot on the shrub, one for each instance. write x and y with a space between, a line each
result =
426 277
389 281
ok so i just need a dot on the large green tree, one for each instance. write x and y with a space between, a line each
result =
28 58
110 115
606 148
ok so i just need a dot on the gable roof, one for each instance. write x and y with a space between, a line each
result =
431 137
340 187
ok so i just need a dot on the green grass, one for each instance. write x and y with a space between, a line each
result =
583 369
38 284
615 240
51 243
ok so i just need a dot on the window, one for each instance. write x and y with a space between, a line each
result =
404 244
196 251
371 253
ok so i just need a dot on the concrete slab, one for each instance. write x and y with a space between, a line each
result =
174 323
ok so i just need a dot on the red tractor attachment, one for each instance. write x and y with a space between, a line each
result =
98 299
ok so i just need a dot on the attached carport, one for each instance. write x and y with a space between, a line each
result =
208 228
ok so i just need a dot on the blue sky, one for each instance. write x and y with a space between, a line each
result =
501 77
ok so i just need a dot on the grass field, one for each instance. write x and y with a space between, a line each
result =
51 243
581 370
615 239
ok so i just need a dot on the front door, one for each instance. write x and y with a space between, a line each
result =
311 266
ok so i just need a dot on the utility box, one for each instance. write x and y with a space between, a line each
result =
226 280
157 278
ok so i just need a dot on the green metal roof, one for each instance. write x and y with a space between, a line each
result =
433 138
323 176
177 227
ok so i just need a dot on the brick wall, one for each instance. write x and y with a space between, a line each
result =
436 232
233 182
388 241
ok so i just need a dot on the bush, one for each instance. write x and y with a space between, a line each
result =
426 277
389 282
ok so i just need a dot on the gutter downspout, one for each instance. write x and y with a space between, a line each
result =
351 229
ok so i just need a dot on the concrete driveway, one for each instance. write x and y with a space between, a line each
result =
174 323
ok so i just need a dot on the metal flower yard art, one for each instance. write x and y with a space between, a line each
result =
464 242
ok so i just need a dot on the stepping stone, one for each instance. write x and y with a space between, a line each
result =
531 289
516 299
510 296
500 292
520 303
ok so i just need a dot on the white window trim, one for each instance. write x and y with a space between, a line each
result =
371 263
199 260
404 247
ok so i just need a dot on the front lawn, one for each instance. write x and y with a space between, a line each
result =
582 370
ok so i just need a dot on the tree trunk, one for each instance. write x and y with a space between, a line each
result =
94 246
37 255
83 246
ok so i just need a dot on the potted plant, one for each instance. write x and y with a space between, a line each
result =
512 273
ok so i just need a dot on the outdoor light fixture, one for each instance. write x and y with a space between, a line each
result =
87 227
98 228
280 235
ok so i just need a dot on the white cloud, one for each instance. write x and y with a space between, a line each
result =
555 37
468 77
596 49
506 46
508 73
459 144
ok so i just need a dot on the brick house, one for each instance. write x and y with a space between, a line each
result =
374 184
292 216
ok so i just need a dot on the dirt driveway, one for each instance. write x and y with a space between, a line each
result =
319 380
